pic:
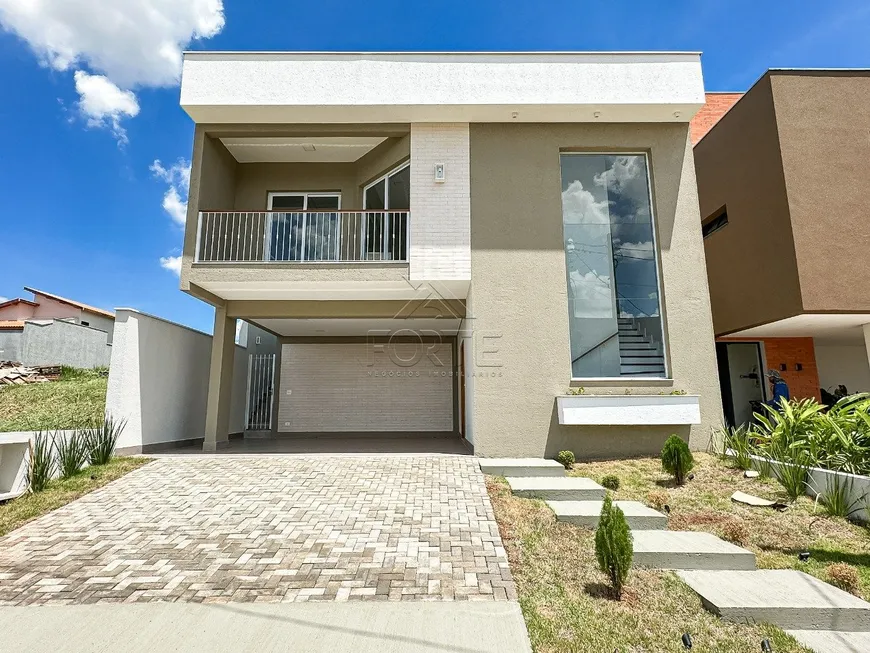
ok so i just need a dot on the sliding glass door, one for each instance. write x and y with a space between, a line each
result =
386 234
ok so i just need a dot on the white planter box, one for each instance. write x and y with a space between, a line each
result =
637 410
14 449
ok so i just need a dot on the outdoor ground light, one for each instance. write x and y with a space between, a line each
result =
765 646
687 640
803 556
667 509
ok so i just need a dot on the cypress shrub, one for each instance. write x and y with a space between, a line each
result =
614 547
677 459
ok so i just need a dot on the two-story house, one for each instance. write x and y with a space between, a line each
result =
446 242
783 194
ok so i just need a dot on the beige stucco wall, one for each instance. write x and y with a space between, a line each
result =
519 297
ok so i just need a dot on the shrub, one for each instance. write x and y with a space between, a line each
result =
677 459
837 497
734 530
611 482
566 458
843 576
72 453
657 499
40 467
614 548
792 471
101 439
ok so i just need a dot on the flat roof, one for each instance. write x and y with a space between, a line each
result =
442 52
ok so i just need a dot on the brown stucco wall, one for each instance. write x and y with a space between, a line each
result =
518 297
254 182
751 264
822 119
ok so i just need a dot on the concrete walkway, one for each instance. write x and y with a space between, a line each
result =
314 553
389 627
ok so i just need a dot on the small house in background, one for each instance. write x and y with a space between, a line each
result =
53 330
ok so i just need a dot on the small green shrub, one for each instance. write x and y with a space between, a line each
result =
614 546
836 497
40 466
566 458
101 439
677 459
71 453
792 470
611 482
737 445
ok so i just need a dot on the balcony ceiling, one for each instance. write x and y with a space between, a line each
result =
320 149
360 327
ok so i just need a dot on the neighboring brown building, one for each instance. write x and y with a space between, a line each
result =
782 183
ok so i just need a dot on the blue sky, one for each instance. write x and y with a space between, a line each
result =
82 212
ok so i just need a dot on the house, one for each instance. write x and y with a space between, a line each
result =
782 191
53 330
448 242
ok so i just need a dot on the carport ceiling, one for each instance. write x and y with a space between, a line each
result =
300 149
360 327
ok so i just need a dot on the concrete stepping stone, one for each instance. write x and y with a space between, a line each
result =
585 513
789 599
557 488
516 467
832 641
688 550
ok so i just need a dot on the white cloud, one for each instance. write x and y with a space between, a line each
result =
579 206
125 44
102 104
171 263
591 294
133 42
642 250
177 176
3 299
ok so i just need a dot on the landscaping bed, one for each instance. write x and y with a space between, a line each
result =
704 504
78 397
59 492
567 601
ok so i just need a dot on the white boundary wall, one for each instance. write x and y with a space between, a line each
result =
158 381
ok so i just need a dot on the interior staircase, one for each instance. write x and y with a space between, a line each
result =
639 354
820 616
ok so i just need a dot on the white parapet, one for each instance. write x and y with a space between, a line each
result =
380 87
616 410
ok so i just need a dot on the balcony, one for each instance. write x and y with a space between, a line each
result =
302 237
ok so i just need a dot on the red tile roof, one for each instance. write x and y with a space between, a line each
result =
17 300
64 300
11 324
717 105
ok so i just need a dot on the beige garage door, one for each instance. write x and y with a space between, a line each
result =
327 387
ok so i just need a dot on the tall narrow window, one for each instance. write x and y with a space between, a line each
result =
614 309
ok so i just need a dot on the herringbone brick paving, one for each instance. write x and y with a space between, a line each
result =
267 529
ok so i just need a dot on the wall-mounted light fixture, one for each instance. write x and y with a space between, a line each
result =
440 173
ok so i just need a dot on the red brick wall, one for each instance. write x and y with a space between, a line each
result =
717 106
802 384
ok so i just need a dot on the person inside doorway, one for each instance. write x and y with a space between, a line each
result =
778 388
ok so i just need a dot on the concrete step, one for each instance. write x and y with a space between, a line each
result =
565 488
586 512
516 467
688 550
789 599
832 641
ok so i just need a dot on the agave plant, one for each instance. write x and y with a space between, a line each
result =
101 439
40 466
71 453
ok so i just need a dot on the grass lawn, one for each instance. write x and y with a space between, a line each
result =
17 512
566 600
704 504
77 398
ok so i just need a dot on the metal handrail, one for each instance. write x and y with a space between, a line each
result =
302 236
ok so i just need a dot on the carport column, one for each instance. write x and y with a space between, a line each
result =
220 381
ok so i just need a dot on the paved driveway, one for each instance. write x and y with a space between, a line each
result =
274 529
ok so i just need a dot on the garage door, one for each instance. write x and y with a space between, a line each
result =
329 387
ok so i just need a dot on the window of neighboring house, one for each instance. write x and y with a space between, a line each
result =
614 307
386 234
714 223
303 226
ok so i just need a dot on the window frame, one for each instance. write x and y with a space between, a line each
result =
385 177
666 358
305 195
714 223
